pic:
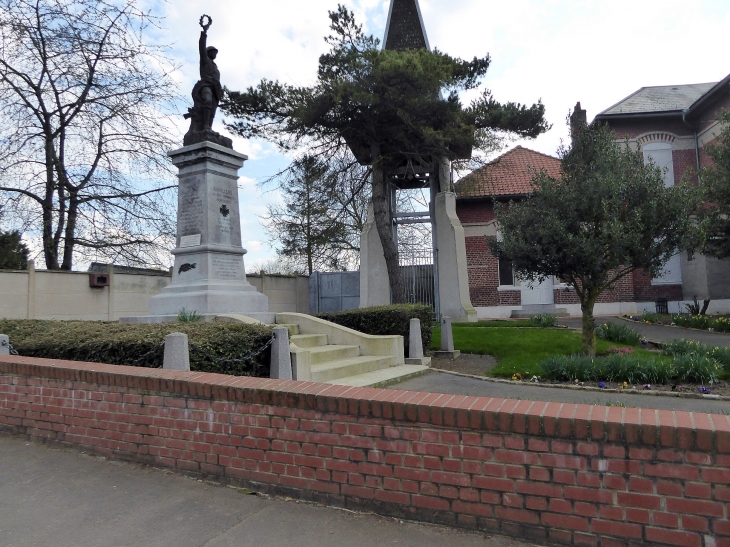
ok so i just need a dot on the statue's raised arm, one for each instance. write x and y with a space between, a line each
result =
207 93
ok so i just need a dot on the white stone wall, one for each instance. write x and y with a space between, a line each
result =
41 294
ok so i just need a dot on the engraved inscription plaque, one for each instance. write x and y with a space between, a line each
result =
227 267
226 228
190 241
190 219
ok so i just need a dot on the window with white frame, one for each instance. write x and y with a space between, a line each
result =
660 154
506 273
671 274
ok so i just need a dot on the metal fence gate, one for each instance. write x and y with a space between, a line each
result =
334 291
417 270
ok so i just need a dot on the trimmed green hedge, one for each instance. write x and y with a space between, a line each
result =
386 320
123 343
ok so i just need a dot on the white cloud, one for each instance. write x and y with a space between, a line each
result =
560 51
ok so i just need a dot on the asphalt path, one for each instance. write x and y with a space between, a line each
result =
63 498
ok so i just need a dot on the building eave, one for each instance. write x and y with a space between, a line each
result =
638 115
700 103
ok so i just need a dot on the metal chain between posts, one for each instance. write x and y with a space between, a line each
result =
12 350
143 357
245 359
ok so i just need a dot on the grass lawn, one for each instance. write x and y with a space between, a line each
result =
497 323
519 349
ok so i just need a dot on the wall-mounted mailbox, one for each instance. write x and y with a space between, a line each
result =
98 280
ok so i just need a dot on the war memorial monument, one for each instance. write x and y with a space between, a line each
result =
209 276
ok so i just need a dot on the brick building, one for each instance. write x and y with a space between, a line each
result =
673 125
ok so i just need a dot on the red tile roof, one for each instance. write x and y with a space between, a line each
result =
508 175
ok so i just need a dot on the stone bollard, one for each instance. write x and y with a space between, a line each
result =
447 335
280 355
177 356
4 344
447 340
415 344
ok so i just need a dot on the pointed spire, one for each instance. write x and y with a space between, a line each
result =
405 28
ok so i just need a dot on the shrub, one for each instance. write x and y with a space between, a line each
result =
566 368
651 317
700 369
683 347
703 322
386 320
189 316
544 320
616 332
123 343
613 368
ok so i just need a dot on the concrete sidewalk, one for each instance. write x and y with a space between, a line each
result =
63 498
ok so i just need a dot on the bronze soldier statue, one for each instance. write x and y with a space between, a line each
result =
206 94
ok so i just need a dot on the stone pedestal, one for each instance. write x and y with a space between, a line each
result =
374 280
209 274
453 276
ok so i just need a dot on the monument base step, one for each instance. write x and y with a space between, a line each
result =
531 311
250 318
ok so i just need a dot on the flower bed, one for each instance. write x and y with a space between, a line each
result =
686 320
682 362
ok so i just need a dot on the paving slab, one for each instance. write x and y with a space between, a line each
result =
62 498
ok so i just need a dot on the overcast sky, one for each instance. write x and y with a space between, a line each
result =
559 51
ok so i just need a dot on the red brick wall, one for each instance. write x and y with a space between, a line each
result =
644 291
570 474
630 129
483 270
510 298
471 212
685 166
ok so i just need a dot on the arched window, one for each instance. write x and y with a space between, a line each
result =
660 154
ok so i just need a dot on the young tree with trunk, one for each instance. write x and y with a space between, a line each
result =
83 141
714 217
607 215
388 107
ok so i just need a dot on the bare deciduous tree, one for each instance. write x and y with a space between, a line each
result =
83 140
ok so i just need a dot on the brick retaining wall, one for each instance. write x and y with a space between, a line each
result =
564 473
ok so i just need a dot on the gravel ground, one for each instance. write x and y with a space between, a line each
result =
467 363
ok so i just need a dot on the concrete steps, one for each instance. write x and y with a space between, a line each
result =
345 363
347 368
309 340
383 377
332 353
